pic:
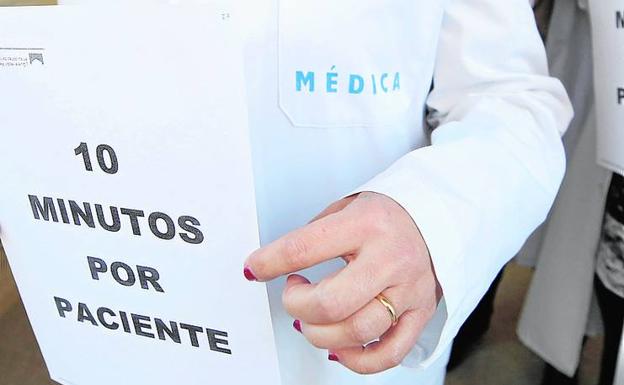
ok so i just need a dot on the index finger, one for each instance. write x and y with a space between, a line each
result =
329 237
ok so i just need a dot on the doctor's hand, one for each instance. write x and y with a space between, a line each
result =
386 293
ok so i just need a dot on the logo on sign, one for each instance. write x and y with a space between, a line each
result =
15 57
35 57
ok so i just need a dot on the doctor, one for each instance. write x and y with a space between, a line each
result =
433 190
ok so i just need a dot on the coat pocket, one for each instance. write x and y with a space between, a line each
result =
354 63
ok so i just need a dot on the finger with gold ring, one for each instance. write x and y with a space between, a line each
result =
388 305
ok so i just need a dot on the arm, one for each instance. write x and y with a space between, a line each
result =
445 218
496 159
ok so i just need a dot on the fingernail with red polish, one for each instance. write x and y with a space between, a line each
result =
297 325
249 274
333 357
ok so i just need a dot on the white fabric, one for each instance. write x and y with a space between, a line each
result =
453 173
557 309
476 193
555 314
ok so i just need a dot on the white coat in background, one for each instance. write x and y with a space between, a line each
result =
337 99
558 310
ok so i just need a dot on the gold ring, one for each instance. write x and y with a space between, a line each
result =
388 305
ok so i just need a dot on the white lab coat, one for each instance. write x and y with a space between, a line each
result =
476 187
558 309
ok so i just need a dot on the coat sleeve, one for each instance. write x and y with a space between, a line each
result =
496 159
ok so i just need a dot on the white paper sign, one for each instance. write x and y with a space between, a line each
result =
127 202
607 19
